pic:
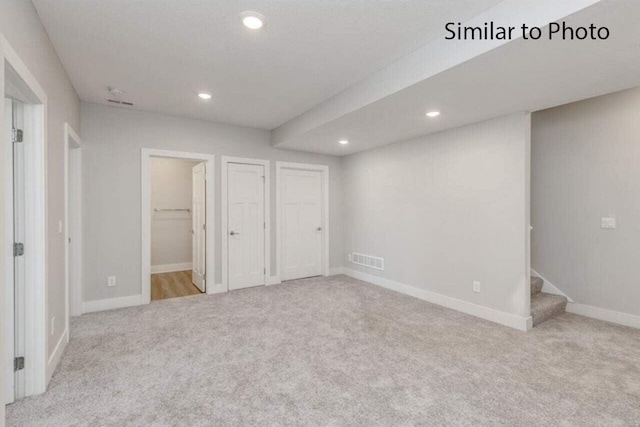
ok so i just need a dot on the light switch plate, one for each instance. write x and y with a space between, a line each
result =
476 286
608 223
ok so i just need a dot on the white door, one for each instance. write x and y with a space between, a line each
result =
9 392
198 217
246 226
301 223
14 301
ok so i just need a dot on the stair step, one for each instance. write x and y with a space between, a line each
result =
545 306
536 285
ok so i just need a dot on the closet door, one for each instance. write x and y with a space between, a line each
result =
301 223
246 226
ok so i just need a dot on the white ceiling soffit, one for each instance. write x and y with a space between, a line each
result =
162 52
475 81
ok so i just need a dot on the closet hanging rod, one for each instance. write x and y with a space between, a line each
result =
172 210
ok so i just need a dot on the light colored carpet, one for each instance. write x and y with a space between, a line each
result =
334 351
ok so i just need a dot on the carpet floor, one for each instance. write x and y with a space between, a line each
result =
334 351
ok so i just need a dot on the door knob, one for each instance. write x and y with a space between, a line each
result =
233 233
319 229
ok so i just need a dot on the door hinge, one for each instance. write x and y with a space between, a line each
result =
264 225
204 226
17 135
18 364
265 271
18 249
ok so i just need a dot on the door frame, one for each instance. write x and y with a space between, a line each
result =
21 84
224 228
145 255
324 170
73 222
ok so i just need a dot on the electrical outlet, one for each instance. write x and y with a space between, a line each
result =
53 325
349 257
111 281
476 286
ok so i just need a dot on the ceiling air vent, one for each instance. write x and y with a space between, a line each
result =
115 101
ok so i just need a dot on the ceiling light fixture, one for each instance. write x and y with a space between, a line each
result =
115 91
343 142
204 95
433 114
252 20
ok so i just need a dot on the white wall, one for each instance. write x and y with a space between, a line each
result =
445 210
112 139
171 231
585 166
21 26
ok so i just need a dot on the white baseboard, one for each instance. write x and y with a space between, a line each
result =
500 317
170 268
273 280
54 359
549 288
111 303
218 288
335 271
618 317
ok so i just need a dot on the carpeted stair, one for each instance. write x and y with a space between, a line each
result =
544 306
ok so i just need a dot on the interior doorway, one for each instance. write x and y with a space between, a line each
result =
178 228
14 304
177 224
73 222
27 365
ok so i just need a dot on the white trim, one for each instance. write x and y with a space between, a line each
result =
145 160
224 228
57 354
549 288
8 386
496 316
272 280
111 303
72 222
324 170
625 319
36 300
219 289
171 268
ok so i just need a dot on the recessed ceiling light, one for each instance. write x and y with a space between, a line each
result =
252 20
433 114
204 95
343 142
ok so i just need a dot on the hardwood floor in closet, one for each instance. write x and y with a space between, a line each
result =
172 285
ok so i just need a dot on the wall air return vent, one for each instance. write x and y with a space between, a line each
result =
368 261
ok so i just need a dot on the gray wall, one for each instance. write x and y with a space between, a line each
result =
585 166
445 210
112 140
21 26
